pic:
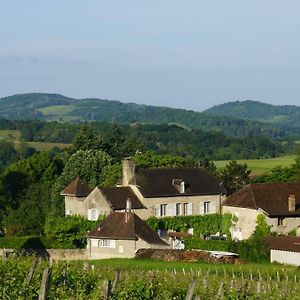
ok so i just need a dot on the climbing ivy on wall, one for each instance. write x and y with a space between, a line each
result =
203 225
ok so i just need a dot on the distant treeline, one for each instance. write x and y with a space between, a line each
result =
53 107
160 138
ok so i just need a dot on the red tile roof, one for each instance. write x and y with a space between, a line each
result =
77 188
116 227
272 198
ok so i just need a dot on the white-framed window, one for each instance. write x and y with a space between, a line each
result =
207 207
163 210
106 243
93 214
185 208
280 222
178 209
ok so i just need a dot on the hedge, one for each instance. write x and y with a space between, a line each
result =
29 242
197 243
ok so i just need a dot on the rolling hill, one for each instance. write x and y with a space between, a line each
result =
54 107
283 115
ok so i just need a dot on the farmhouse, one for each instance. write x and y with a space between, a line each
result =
278 202
284 250
121 234
153 192
81 200
174 191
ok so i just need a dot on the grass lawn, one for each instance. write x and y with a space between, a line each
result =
260 166
10 135
147 264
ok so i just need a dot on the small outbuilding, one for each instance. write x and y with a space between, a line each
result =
121 234
284 250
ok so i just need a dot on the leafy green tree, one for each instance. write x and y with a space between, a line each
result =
234 176
151 160
25 187
86 139
7 154
69 231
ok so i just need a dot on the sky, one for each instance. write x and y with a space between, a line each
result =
183 54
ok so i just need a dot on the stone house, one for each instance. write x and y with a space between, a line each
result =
278 202
81 200
121 234
156 192
174 191
284 250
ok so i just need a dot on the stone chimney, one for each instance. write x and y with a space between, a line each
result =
292 203
128 171
128 210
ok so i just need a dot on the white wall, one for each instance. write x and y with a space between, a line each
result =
246 221
285 257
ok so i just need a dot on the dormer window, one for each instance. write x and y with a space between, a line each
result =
179 185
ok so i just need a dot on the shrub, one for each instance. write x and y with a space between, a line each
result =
70 231
203 225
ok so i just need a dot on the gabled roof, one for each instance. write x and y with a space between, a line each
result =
285 243
117 197
115 227
77 188
272 198
159 182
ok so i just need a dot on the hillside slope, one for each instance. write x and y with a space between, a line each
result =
284 115
53 107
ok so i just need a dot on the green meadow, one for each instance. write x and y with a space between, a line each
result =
10 135
260 166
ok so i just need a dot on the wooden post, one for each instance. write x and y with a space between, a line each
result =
31 271
106 289
190 292
44 284
220 291
117 279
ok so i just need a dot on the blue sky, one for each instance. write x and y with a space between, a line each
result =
187 54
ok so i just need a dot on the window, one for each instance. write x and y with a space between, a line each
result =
185 208
106 243
280 221
163 209
178 209
93 214
206 207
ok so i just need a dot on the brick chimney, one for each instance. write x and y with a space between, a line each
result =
292 203
128 171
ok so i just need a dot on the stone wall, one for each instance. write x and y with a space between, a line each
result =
54 254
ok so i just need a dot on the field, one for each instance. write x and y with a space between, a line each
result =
58 110
10 135
260 166
40 146
14 136
22 278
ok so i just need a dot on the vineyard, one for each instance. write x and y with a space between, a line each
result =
29 278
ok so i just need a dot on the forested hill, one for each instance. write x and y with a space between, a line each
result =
53 107
285 115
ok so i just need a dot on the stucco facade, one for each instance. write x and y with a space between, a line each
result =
118 248
285 257
246 223
90 207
